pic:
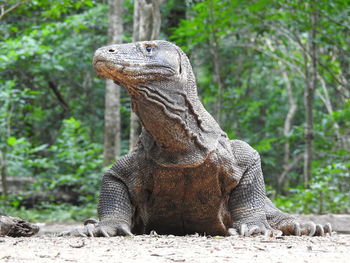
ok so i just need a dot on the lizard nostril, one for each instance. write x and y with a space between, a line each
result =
111 50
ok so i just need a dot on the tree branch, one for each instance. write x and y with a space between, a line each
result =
58 95
271 54
289 167
3 12
309 55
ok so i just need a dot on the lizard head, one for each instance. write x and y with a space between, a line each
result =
137 63
159 77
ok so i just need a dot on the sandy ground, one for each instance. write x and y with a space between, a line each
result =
176 249
47 247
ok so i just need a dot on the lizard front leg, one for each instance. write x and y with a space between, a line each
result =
254 213
114 209
247 200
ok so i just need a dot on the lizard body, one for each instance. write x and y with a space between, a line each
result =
185 176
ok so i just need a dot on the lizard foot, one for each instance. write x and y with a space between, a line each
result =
304 228
93 228
253 230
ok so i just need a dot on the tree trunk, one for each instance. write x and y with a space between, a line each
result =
287 165
112 135
147 20
214 51
311 84
324 96
3 175
217 78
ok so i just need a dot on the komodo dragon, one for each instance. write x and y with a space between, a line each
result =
185 176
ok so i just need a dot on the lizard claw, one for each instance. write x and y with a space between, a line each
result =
319 230
323 230
89 228
298 229
308 229
243 230
232 232
101 229
90 221
104 233
253 230
327 228
124 230
304 229
272 233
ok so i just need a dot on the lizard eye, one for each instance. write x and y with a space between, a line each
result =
148 49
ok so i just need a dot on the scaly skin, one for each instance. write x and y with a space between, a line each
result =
185 176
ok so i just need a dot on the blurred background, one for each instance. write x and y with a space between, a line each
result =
275 74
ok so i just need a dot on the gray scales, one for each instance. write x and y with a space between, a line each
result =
185 176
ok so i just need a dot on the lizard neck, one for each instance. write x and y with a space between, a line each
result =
177 130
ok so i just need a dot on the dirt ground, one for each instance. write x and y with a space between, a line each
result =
47 247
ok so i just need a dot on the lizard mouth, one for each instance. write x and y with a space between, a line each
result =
104 69
137 71
100 67
114 72
97 61
102 61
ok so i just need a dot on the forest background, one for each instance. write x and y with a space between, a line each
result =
275 74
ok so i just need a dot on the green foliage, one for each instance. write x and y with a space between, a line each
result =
48 8
22 158
77 162
49 61
40 60
71 161
327 193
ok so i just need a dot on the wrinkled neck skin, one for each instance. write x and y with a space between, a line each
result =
177 130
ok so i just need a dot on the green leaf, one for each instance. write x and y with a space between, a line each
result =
11 141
